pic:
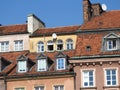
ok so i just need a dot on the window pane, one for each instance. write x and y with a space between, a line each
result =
18 45
88 78
61 63
42 65
111 77
22 66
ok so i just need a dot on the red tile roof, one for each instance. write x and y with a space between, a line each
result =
13 29
104 21
48 31
12 57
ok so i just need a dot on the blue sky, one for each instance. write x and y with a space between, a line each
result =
53 13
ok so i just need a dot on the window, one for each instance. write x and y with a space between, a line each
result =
22 66
18 45
39 88
60 63
59 87
59 45
42 65
4 46
69 44
50 46
19 88
88 78
111 77
40 47
112 44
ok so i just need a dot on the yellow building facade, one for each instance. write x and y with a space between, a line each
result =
34 42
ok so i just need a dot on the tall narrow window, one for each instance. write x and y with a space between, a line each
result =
20 88
18 45
60 63
39 88
40 47
69 44
50 46
59 45
4 46
22 66
112 44
111 79
59 87
88 78
42 65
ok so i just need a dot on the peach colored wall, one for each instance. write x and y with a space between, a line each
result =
99 75
12 38
47 83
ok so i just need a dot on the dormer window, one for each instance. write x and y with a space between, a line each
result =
42 65
50 46
40 47
22 66
61 61
112 44
59 45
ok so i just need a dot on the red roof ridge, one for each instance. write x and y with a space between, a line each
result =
60 27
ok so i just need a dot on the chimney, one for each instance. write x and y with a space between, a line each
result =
34 23
97 9
90 10
87 10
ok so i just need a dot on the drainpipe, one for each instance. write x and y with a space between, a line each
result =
5 83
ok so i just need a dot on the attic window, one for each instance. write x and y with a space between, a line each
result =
42 65
50 46
60 63
88 48
112 44
22 66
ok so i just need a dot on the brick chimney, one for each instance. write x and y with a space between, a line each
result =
34 23
90 10
87 10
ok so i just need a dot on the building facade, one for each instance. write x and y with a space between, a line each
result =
81 57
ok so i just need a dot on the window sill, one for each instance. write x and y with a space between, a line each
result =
91 88
111 87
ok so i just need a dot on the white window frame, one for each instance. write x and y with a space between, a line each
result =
18 46
64 64
4 46
22 66
59 42
110 43
40 87
42 65
50 42
40 46
110 76
69 44
82 77
59 87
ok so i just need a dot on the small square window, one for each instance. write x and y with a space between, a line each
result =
18 45
4 46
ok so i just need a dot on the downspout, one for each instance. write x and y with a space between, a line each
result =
5 83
